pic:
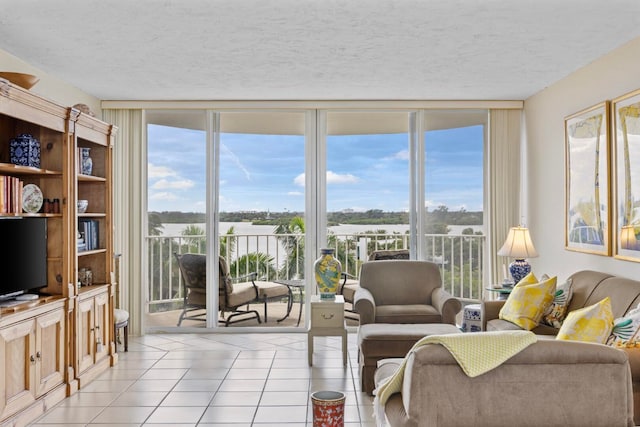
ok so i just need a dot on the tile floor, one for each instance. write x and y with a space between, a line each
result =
239 380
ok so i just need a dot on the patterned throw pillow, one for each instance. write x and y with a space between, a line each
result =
624 328
557 310
590 324
528 301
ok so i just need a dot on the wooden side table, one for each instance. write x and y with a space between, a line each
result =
327 319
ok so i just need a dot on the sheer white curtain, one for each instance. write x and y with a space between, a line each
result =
129 189
503 191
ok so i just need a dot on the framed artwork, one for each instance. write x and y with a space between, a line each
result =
587 190
626 125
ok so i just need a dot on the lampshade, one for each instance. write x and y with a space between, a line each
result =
518 244
628 237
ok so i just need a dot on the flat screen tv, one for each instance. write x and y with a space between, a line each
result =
23 258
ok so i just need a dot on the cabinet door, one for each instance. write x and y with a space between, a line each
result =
103 326
17 359
49 370
86 334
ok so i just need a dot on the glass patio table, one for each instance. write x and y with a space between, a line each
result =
293 284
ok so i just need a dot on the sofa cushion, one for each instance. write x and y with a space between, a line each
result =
589 324
528 301
557 310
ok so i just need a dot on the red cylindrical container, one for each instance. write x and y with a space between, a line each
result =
328 408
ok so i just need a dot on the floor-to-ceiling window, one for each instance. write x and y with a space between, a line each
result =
454 144
261 203
283 183
176 195
367 184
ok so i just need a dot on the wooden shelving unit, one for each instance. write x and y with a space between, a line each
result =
52 346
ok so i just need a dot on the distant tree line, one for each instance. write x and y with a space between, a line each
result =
437 220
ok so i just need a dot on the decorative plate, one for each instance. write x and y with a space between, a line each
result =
31 198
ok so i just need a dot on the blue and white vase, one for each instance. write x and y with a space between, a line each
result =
25 150
86 163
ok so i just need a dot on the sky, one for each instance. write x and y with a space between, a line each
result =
266 172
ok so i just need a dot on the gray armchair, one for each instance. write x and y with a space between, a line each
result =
350 284
403 291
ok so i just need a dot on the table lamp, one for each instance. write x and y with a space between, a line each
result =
628 237
519 246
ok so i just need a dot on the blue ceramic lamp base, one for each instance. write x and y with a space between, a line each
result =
518 269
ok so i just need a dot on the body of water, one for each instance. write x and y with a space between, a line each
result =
247 228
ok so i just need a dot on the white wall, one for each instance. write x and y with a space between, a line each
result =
605 79
50 87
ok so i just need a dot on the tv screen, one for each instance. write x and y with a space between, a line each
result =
23 260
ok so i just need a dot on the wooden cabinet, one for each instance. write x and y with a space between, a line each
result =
93 329
32 349
92 154
58 343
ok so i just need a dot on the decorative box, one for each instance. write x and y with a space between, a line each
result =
25 150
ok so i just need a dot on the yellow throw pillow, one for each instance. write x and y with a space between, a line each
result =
590 324
528 301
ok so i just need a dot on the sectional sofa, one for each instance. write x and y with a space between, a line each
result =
589 287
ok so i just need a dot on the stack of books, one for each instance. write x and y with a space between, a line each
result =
89 237
10 194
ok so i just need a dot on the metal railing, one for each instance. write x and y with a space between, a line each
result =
281 256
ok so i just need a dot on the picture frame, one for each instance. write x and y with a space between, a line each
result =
587 182
625 112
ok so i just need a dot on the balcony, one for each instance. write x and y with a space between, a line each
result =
281 256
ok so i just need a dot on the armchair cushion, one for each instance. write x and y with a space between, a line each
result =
407 313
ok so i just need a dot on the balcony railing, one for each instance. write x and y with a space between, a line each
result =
281 256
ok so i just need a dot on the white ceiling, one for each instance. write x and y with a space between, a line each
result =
314 49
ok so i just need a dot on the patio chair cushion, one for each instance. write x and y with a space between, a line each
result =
268 290
243 293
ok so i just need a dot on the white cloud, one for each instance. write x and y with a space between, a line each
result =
401 155
154 171
295 193
347 178
164 196
164 184
332 178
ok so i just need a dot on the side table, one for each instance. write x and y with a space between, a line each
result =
327 319
503 293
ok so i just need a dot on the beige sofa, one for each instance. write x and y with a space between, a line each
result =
550 383
589 287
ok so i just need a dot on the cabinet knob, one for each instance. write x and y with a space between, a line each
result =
32 359
38 355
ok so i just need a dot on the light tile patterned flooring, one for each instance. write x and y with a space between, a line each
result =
239 380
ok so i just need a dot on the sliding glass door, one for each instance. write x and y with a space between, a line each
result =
453 227
367 184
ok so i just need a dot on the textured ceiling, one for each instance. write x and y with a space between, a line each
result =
314 49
